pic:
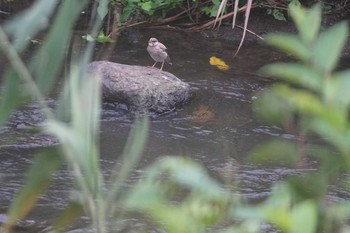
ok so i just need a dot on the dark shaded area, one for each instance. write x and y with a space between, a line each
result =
334 11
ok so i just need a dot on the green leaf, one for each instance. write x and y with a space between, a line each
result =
276 209
37 182
309 186
102 38
272 108
305 102
136 198
304 217
296 74
88 37
147 7
278 15
341 209
10 96
330 162
25 25
281 104
79 139
275 152
294 3
72 212
176 219
203 203
47 61
327 49
336 89
290 44
334 131
186 173
307 21
131 155
102 8
127 10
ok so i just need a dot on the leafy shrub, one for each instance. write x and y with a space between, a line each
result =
313 98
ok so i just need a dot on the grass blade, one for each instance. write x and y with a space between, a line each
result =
131 155
10 95
235 10
37 182
49 58
220 12
328 47
25 25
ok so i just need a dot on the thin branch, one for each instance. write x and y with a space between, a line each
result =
172 18
251 32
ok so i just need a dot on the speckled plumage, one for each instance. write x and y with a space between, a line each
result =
158 52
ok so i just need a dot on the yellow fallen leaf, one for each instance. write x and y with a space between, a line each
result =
220 64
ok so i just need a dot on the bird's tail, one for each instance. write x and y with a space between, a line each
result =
168 60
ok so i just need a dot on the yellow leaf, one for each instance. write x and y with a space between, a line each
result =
220 64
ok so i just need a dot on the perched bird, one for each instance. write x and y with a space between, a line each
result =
158 52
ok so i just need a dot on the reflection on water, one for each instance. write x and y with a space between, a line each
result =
216 128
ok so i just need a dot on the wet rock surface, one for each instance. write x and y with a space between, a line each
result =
140 88
21 130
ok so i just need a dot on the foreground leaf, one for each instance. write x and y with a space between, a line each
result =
296 74
38 179
25 25
131 155
275 210
48 59
289 44
10 97
304 217
327 50
336 90
307 22
102 8
203 202
275 152
71 212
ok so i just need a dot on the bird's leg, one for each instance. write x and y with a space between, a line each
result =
154 64
161 68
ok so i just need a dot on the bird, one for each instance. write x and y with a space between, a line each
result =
158 52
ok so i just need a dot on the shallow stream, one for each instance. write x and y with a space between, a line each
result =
217 127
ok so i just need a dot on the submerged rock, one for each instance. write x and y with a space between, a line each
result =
20 225
140 88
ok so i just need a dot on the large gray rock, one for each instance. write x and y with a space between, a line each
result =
140 88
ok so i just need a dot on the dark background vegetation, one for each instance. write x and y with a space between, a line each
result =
187 14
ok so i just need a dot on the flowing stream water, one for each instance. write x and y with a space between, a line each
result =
217 127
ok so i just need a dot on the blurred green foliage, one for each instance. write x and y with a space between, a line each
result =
310 98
